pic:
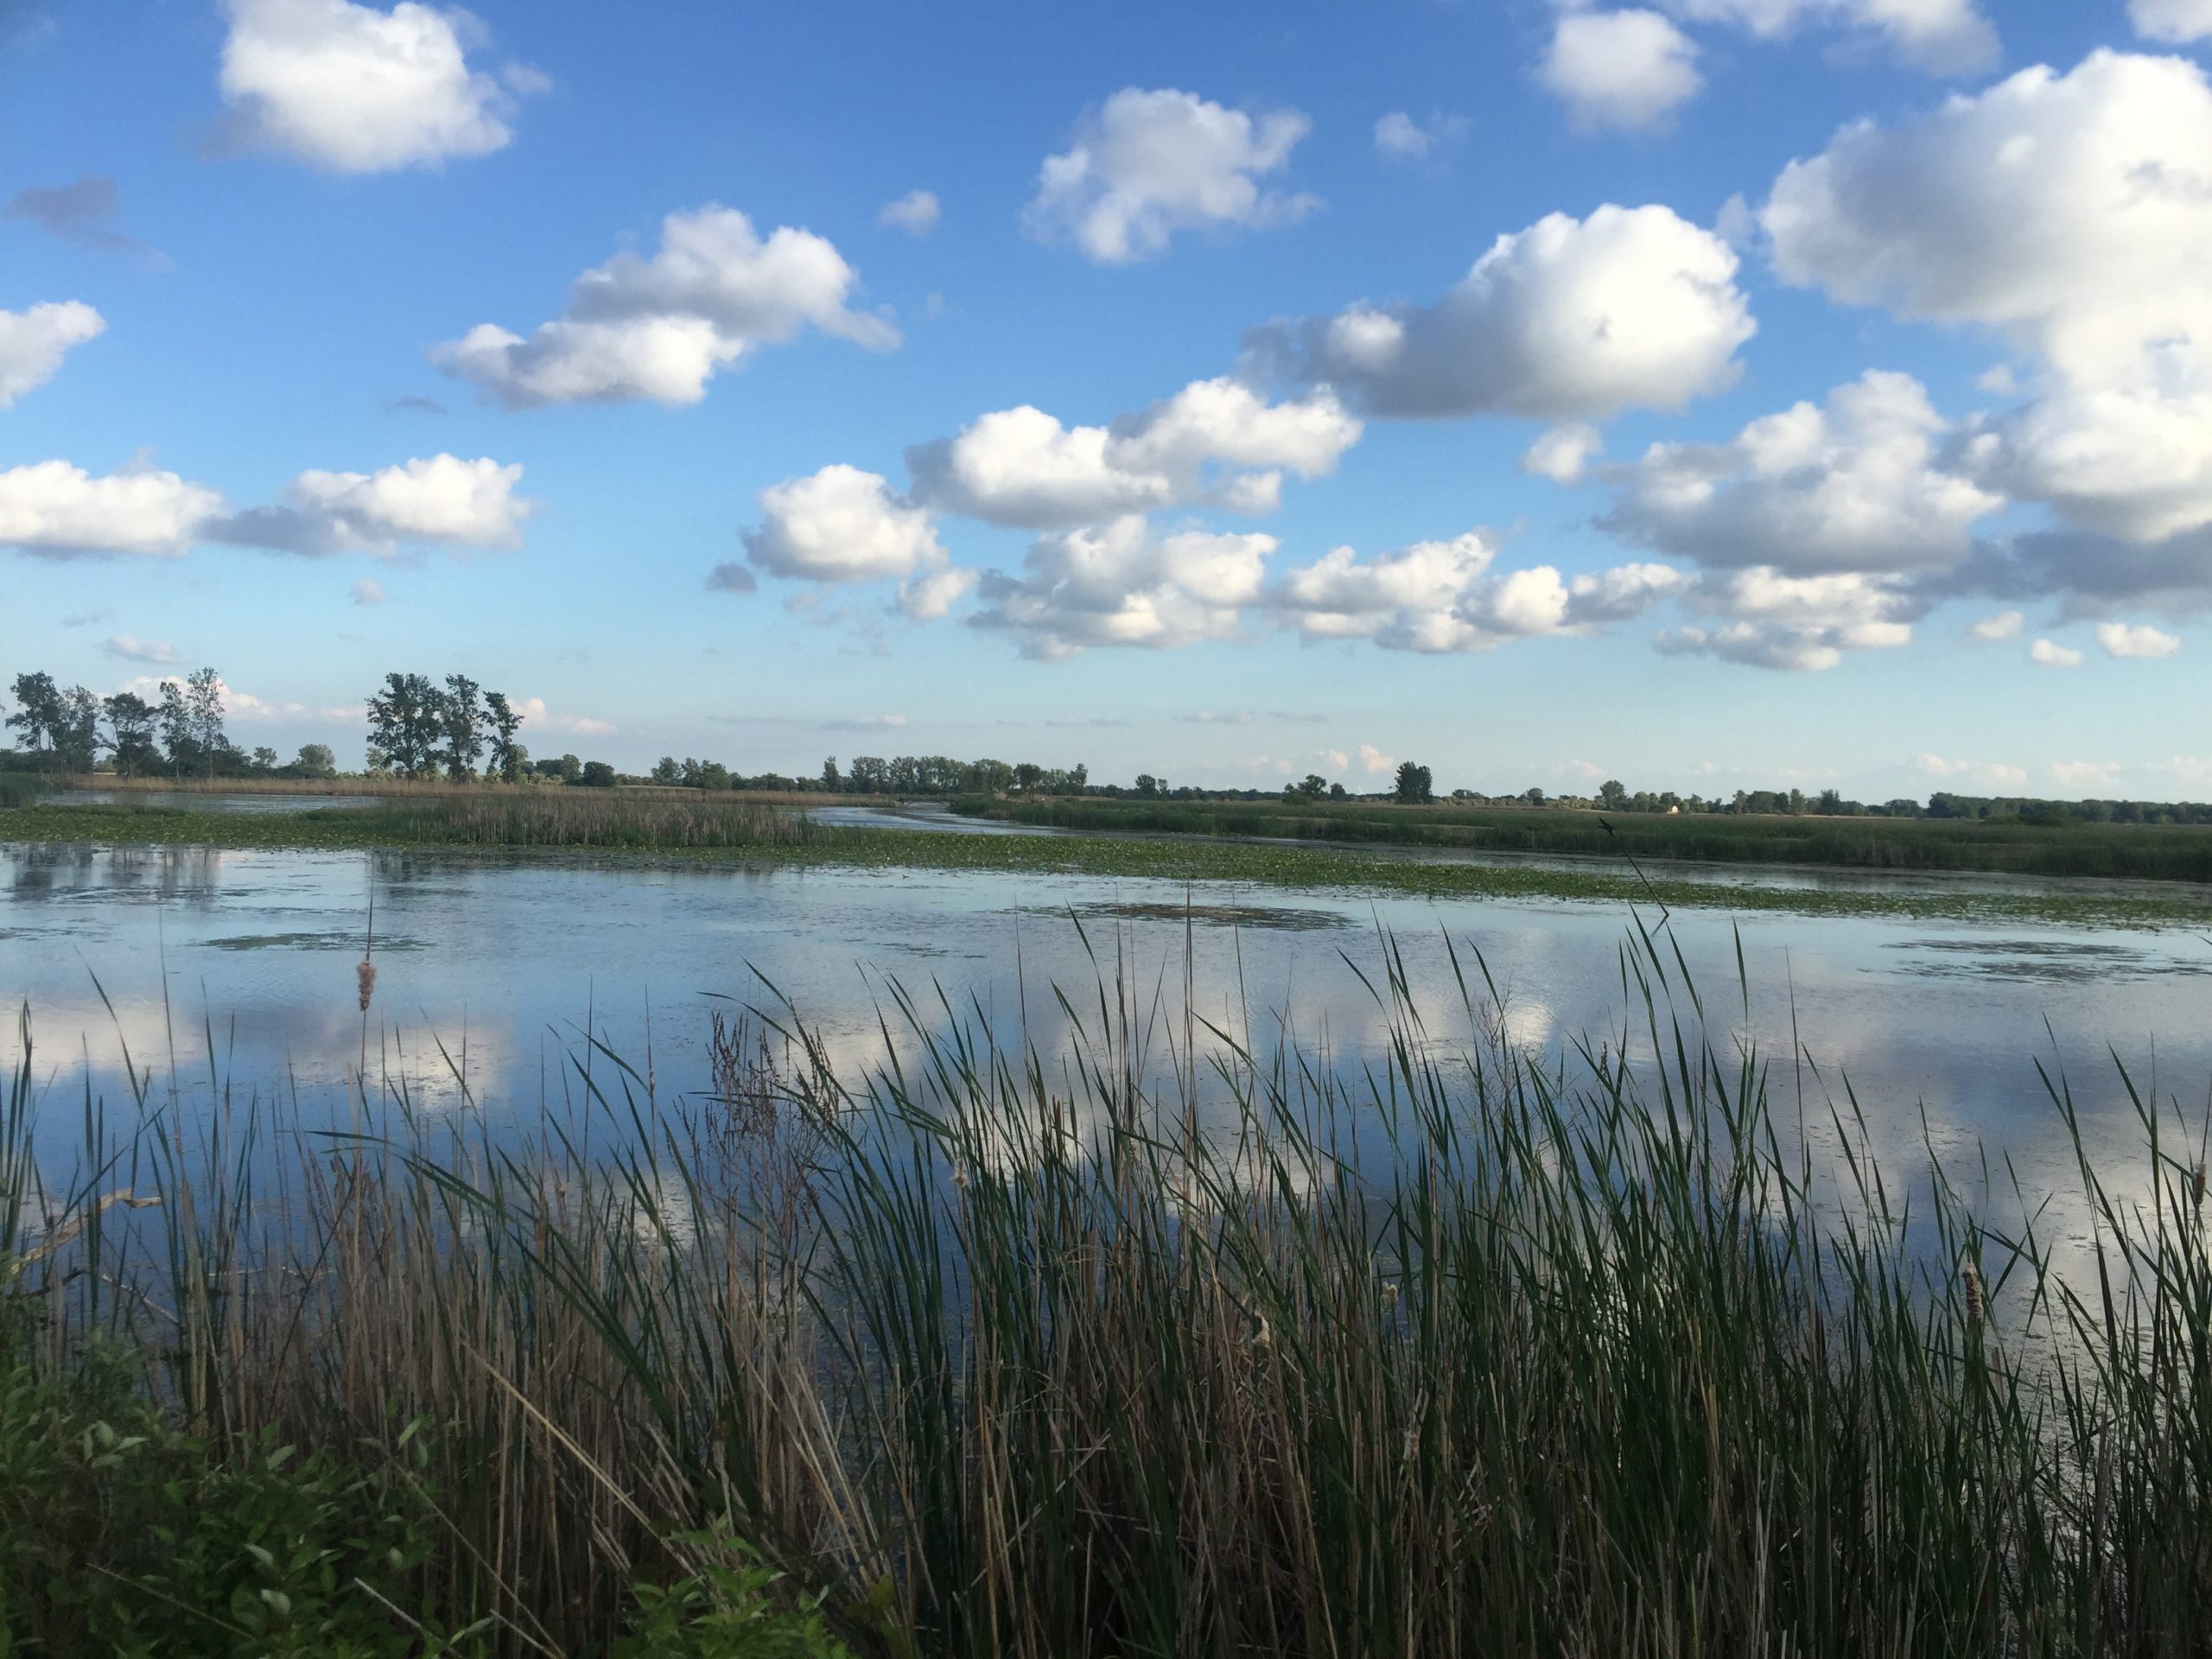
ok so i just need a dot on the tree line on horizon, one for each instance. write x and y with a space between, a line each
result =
420 728
180 735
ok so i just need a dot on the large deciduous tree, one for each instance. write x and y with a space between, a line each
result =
507 756
38 712
461 719
203 698
130 732
406 723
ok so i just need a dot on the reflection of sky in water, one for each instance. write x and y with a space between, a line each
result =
193 800
504 963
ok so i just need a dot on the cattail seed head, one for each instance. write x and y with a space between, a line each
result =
1972 1275
2196 1186
365 971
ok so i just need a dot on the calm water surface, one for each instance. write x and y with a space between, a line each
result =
1937 1026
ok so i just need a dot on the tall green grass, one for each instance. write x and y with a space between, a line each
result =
588 818
1157 1344
2150 852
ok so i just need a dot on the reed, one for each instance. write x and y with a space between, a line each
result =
677 821
1160 1343
385 787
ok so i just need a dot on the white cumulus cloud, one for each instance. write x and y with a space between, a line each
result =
660 327
34 342
132 649
1631 68
2175 20
2072 214
1569 318
359 90
2119 639
1769 617
1121 583
1400 138
2005 625
1215 442
1857 485
1563 453
1944 36
1444 596
916 213
537 716
1148 164
60 511
2048 653
438 501
842 524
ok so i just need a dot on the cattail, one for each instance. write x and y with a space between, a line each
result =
1390 1292
1972 1275
365 971
2196 1186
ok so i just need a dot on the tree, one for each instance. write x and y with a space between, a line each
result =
508 757
203 700
461 724
1149 787
405 722
38 713
1533 797
1415 787
315 761
1313 786
1612 795
597 774
665 770
76 734
179 746
831 783
130 732
265 759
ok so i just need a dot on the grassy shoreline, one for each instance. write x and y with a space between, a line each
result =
688 833
1993 846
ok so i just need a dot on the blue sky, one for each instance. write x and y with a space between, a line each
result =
1806 337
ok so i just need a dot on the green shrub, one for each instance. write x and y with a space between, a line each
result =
724 1611
121 1534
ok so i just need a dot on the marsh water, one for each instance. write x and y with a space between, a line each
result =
237 968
